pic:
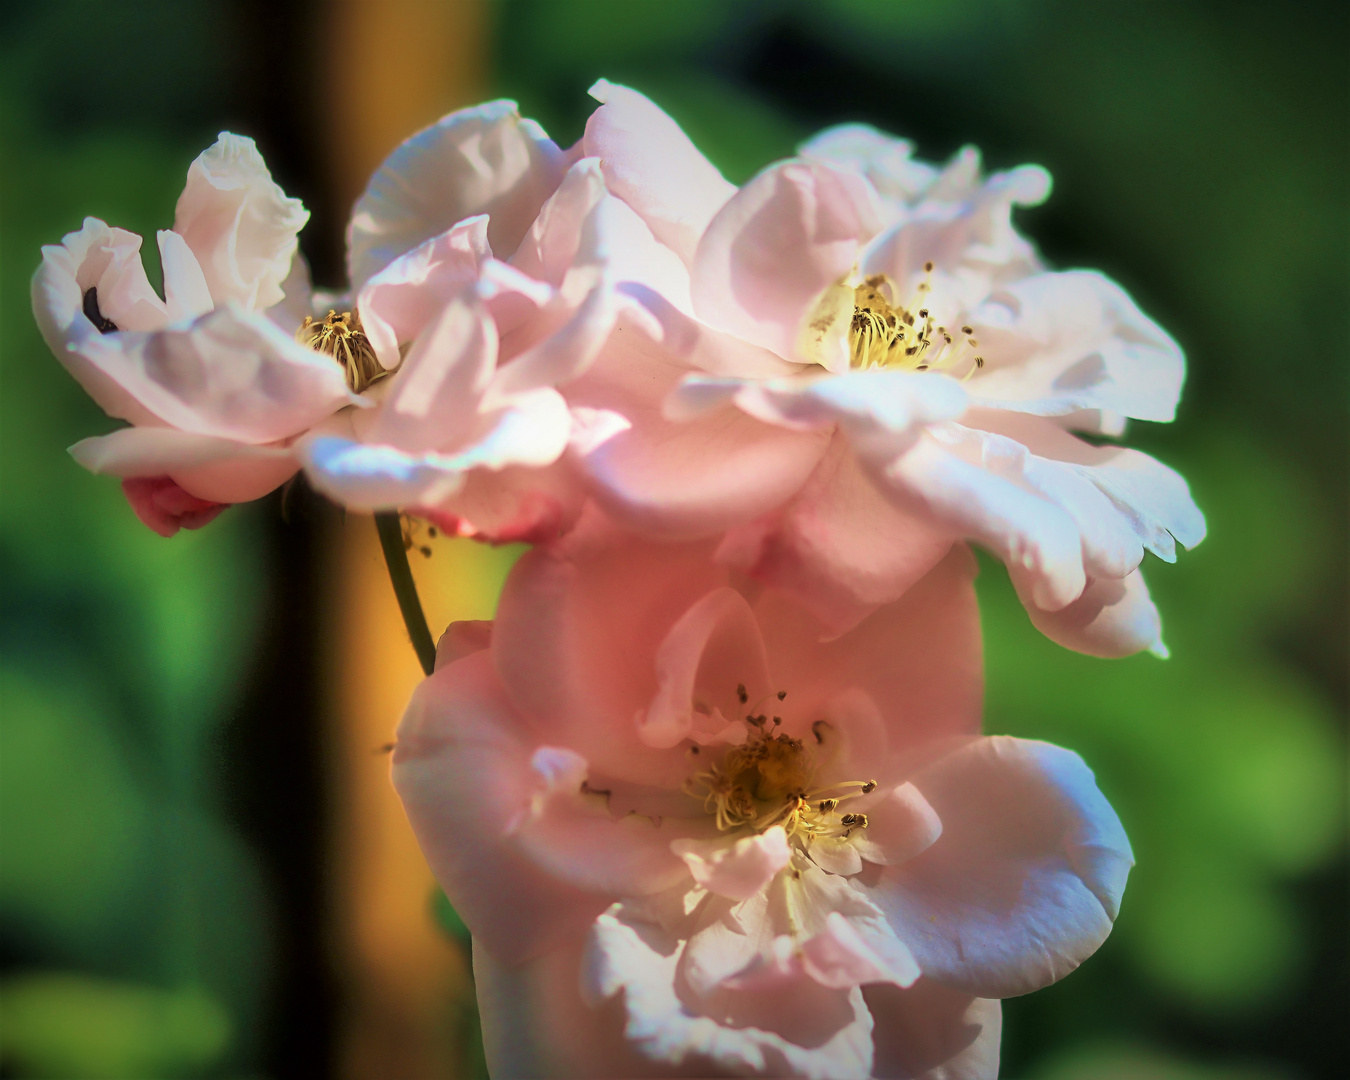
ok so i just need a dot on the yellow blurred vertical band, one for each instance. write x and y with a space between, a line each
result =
387 69
391 68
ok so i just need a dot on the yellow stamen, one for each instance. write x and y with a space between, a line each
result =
886 333
767 781
341 337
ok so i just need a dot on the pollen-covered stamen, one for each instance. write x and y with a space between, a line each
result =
887 333
767 781
341 337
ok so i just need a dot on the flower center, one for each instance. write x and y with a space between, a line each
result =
769 780
341 337
886 333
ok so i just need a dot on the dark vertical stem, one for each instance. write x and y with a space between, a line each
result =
400 576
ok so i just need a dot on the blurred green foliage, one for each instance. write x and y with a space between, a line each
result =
74 1026
132 917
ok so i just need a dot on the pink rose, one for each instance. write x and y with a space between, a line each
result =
856 361
484 279
692 835
210 377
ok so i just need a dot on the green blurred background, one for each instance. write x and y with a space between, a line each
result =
161 741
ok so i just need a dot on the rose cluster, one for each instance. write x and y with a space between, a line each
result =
711 791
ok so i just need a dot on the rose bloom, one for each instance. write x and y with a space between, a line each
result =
483 285
396 401
693 837
210 378
855 361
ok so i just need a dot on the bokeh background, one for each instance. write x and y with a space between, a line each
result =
202 870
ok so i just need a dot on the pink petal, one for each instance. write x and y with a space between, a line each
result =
399 302
838 957
1055 343
483 160
882 411
1026 879
965 229
462 638
683 479
186 294
107 260
1152 501
701 347
231 374
562 354
650 164
975 488
570 831
932 1032
840 547
796 1027
901 825
736 869
774 249
536 1023
240 225
532 431
513 505
298 300
462 769
165 508
432 401
713 647
212 469
550 247
1114 617
917 659
577 627
885 160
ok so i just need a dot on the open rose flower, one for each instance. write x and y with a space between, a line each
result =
483 260
858 361
691 837
210 377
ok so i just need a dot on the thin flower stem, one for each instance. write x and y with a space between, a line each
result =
400 576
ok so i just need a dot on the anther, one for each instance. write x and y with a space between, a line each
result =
967 330
826 805
341 337
782 694
928 267
741 695
869 787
